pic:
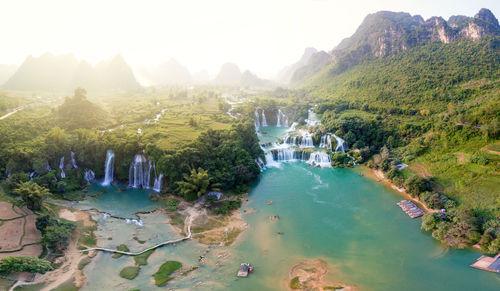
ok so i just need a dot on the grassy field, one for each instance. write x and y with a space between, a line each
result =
181 120
465 181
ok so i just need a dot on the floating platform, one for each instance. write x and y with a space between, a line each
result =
410 208
245 268
488 263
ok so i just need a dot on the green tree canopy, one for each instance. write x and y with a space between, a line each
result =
24 264
32 194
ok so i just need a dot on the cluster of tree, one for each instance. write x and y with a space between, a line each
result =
359 132
55 233
24 264
217 159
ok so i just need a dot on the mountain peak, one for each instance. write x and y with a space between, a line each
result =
487 16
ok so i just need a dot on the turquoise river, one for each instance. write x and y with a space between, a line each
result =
350 221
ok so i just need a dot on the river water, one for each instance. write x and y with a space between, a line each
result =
348 220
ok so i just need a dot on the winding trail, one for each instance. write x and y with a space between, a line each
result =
148 249
13 112
63 273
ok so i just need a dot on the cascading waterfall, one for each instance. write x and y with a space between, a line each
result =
73 160
320 159
158 183
109 168
326 142
61 166
257 120
307 141
264 121
89 176
260 163
340 144
291 140
140 172
31 175
135 221
281 119
47 166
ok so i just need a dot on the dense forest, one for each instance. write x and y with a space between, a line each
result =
35 142
437 108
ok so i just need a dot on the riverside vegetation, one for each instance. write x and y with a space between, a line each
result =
426 102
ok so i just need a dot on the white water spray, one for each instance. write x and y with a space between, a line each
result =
61 166
264 121
109 168
73 160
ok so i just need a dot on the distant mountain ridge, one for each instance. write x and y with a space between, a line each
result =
64 73
385 33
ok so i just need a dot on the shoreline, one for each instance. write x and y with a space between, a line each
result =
379 176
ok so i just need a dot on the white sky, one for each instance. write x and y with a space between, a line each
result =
260 35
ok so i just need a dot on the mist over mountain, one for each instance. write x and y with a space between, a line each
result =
201 77
6 71
167 73
63 73
229 74
286 74
249 79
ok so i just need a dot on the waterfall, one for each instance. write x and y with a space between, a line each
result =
282 119
158 183
31 175
291 140
264 121
307 141
340 144
73 160
140 172
109 168
61 166
292 128
257 120
326 142
89 176
260 163
320 159
135 221
47 166
270 162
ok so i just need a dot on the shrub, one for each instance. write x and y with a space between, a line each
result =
129 272
24 264
122 248
162 275
142 259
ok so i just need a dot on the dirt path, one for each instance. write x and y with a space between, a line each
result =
11 113
65 272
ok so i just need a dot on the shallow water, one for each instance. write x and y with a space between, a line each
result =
348 220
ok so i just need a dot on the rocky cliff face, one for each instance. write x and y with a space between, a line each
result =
388 33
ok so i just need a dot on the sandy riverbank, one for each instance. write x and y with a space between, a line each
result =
310 274
378 175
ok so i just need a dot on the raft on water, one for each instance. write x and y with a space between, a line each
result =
410 208
245 268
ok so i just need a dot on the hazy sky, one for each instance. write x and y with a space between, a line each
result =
260 35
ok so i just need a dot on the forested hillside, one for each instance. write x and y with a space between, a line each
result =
436 108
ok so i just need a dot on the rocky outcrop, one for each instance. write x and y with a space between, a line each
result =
388 33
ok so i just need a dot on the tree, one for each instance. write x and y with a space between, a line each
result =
415 185
429 221
24 264
195 184
55 234
32 194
